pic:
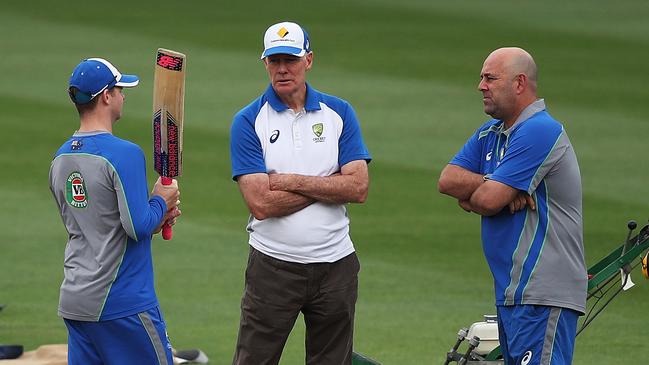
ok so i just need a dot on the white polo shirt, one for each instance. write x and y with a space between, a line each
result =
269 137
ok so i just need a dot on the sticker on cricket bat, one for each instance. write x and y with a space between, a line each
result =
168 116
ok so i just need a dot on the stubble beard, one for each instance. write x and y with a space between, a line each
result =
492 110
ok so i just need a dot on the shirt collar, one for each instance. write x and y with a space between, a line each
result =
87 134
535 107
311 103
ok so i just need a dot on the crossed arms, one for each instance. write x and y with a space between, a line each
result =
277 195
484 197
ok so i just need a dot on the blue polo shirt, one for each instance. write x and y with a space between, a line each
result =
536 257
268 137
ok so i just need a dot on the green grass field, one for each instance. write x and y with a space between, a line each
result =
410 68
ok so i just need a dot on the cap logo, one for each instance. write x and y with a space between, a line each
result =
75 191
282 32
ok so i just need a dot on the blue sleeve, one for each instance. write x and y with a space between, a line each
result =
469 156
139 214
246 154
350 145
526 151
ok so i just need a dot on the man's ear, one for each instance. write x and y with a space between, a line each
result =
104 97
309 60
521 83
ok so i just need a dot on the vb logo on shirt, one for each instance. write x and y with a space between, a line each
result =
75 191
318 129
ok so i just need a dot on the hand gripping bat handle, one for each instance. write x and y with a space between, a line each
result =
167 232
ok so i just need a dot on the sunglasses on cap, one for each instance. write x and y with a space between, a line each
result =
80 97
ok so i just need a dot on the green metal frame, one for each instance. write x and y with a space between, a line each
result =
619 258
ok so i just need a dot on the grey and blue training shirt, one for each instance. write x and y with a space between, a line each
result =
535 256
100 186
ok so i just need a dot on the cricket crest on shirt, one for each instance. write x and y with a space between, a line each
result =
75 191
317 129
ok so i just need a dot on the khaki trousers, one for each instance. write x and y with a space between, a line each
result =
277 291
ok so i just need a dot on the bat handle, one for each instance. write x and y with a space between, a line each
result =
167 232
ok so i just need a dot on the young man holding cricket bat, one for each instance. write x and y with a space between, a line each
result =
298 156
107 297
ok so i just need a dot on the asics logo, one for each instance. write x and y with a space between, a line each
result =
488 157
274 136
526 358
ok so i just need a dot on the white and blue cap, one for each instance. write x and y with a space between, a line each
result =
94 75
286 38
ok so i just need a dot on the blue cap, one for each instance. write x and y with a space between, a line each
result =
94 75
286 38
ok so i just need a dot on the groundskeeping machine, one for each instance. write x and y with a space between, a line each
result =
478 344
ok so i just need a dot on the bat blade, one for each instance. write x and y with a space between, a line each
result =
168 117
168 112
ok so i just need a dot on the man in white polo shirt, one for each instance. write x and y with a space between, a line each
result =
298 156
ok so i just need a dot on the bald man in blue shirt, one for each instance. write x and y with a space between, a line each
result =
520 173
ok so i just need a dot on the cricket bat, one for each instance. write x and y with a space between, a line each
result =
168 109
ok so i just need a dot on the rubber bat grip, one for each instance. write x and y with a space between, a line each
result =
167 232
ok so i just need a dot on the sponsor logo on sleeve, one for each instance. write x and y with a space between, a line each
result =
526 358
75 191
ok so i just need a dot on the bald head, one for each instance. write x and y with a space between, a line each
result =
516 61
508 83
